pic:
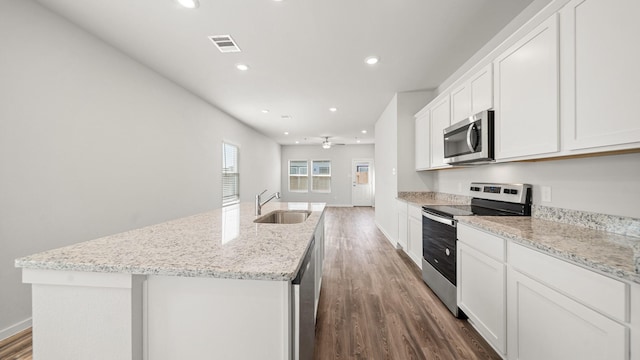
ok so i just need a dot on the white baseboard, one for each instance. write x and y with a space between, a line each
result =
394 243
15 328
339 205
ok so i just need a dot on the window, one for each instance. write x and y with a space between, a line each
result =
362 174
230 175
298 176
321 179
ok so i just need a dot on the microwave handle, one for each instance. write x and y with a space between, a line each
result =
470 131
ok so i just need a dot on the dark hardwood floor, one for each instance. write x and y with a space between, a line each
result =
374 304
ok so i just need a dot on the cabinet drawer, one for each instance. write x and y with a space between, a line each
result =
602 293
415 212
486 243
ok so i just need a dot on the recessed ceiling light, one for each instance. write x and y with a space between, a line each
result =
189 4
364 131
372 60
297 142
286 133
265 111
333 109
358 141
242 67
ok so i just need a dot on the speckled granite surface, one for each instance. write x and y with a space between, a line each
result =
433 198
612 254
223 243
611 223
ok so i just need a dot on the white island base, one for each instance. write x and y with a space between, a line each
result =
82 315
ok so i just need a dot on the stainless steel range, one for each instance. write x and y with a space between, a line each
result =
439 232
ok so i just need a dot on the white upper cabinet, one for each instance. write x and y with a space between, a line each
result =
422 141
460 103
526 95
440 120
482 90
474 96
600 73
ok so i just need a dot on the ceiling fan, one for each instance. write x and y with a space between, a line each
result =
326 144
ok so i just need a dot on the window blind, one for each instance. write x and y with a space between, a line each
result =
230 175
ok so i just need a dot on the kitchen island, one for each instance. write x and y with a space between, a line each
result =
211 285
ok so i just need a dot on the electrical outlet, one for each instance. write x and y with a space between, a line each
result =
545 193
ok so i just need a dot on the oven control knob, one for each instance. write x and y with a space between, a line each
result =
446 251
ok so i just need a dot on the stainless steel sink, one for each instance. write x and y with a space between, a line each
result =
283 217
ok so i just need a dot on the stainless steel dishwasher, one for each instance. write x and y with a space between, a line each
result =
304 308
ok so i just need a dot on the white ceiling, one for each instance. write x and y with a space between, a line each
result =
305 56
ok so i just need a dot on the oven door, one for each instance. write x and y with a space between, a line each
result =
439 244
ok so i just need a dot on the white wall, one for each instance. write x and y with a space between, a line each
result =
386 157
341 173
605 184
395 157
93 143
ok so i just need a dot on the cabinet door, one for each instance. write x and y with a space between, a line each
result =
474 96
319 261
544 324
600 73
461 103
440 120
481 294
402 224
422 142
526 81
481 85
415 240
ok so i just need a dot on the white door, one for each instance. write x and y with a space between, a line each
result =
362 176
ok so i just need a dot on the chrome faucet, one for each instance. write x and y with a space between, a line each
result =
260 203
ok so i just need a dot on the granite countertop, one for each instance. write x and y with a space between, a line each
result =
606 252
223 243
431 198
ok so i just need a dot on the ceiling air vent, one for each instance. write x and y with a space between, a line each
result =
224 43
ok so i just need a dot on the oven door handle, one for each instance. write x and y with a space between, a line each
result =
442 220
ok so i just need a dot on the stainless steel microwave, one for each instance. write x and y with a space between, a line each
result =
470 140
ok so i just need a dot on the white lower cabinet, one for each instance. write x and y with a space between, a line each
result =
481 280
319 237
545 324
414 249
481 285
529 305
403 231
